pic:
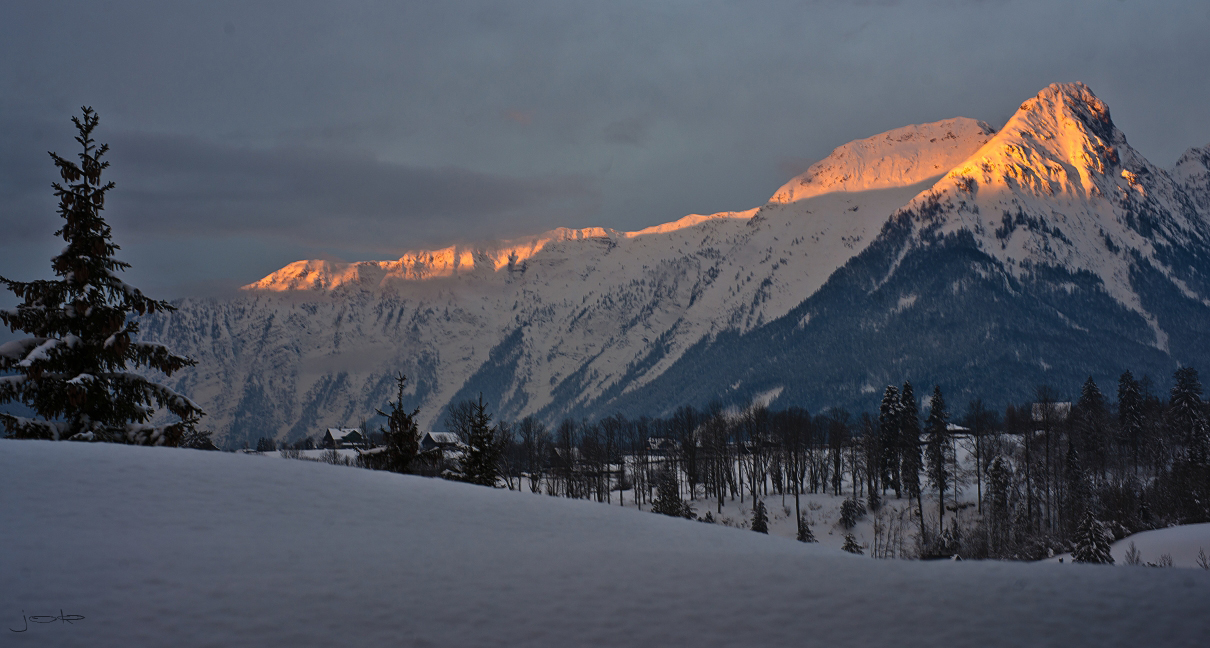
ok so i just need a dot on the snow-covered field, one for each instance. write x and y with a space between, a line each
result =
157 546
1181 543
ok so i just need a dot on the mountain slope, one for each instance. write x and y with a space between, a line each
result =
946 252
1053 253
545 323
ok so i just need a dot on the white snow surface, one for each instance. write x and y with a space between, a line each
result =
1181 543
159 546
896 158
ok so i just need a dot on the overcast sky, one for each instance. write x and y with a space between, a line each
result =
246 135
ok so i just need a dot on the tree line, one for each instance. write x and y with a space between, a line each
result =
1038 471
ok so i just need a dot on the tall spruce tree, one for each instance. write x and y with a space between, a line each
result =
482 463
1076 488
1130 415
939 449
401 436
999 482
74 370
1090 422
1186 417
889 434
910 460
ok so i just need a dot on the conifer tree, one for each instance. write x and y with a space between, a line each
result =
909 440
889 434
1130 415
999 481
668 495
804 531
1090 422
1186 416
937 442
873 501
1077 488
74 370
401 436
1092 542
760 517
851 546
851 511
482 463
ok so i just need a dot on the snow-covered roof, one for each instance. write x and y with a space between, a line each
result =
339 434
443 437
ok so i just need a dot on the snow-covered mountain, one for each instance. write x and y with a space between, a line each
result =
942 252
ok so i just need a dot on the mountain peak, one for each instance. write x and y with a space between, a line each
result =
1061 144
1059 187
897 158
1058 102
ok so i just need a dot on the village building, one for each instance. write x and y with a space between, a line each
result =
337 438
439 440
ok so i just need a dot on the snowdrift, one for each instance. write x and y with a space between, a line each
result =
157 546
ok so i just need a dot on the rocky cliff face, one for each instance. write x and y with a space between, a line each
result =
942 252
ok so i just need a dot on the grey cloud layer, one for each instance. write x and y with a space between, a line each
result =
178 185
358 128
170 185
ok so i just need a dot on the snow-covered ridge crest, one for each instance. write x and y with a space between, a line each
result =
454 260
897 158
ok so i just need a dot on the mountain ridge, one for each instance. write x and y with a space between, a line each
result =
583 322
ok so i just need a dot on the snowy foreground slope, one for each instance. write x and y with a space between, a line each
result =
156 546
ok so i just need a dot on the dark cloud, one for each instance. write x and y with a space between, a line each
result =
628 131
180 186
175 185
